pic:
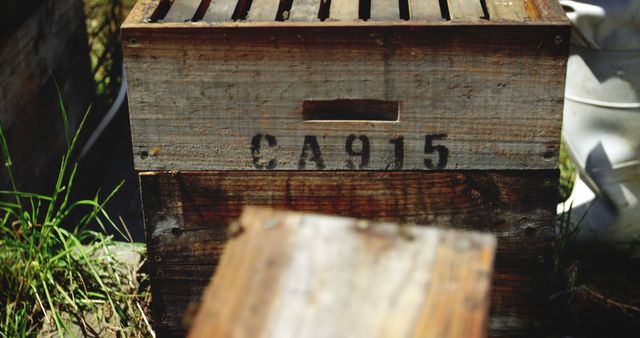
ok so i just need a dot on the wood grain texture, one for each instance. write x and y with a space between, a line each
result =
465 10
47 39
321 276
187 214
344 10
509 10
425 10
263 10
304 10
220 10
385 10
548 10
182 11
493 101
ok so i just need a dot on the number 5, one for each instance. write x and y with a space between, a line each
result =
429 148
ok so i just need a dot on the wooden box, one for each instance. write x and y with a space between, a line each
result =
444 113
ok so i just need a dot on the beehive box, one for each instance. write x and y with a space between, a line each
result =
443 113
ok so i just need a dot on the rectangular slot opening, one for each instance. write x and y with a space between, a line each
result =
351 110
364 10
404 9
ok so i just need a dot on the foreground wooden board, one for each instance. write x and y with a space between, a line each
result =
186 217
289 274
441 95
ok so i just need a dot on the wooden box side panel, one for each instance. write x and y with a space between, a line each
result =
469 97
187 216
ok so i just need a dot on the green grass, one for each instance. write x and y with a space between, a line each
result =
54 270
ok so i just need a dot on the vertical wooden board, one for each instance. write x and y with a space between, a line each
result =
385 10
304 10
182 11
465 10
507 10
366 279
263 10
39 44
425 10
220 10
344 10
187 214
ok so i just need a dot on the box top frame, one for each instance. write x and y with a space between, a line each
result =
147 14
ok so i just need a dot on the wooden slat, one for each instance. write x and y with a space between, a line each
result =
494 102
182 10
290 274
263 10
465 10
344 10
220 10
385 10
547 10
142 12
187 214
304 10
507 10
425 10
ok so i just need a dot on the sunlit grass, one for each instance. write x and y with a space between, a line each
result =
54 270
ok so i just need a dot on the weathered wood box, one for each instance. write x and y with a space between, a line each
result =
445 113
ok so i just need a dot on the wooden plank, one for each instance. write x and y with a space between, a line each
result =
548 10
385 10
425 10
142 12
186 218
304 10
43 39
507 10
263 10
220 11
494 102
465 10
366 279
182 11
344 10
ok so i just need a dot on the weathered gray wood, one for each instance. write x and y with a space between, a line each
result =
385 10
304 10
507 10
344 10
465 10
182 11
493 101
425 10
38 39
220 10
186 217
321 276
263 10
